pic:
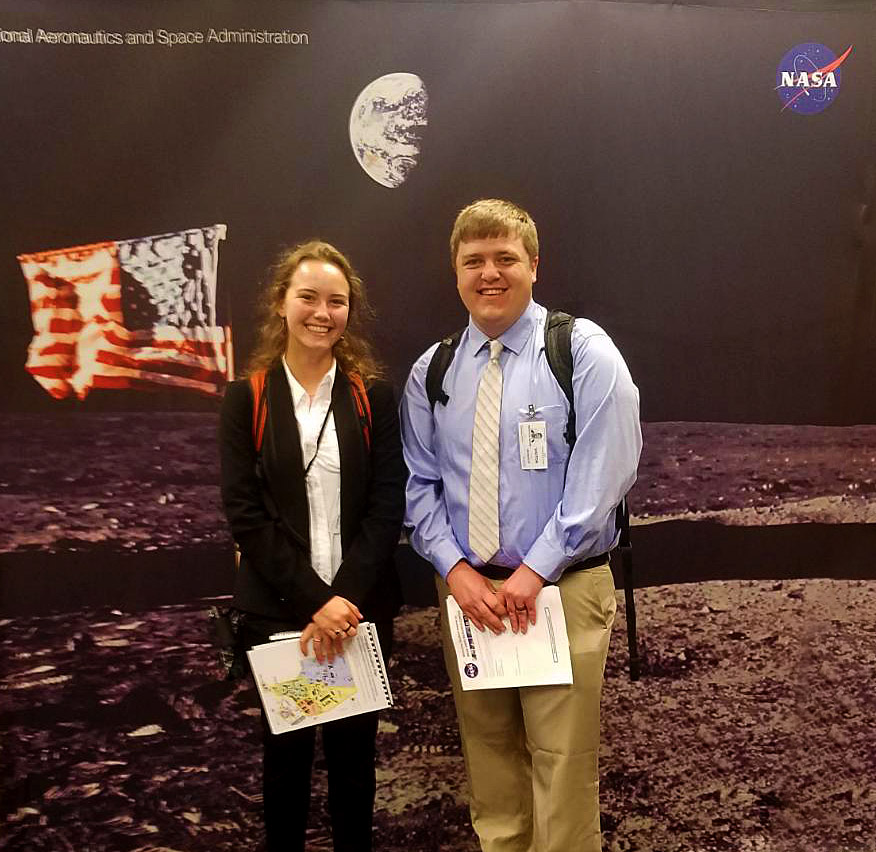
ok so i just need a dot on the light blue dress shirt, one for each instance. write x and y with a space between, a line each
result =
549 518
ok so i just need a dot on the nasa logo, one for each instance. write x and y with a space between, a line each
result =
808 77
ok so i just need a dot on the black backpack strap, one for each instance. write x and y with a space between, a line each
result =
558 349
438 367
622 523
622 520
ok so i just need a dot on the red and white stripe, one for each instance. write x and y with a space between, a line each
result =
80 341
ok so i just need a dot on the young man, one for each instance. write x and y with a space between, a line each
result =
496 532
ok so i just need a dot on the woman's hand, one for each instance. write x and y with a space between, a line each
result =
338 618
332 625
326 646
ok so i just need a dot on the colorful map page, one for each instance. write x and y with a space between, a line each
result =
318 688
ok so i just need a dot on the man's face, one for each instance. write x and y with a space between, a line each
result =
494 277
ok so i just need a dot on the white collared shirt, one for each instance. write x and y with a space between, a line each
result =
323 482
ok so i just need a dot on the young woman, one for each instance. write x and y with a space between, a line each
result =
316 515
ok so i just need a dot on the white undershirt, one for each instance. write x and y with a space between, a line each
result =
323 482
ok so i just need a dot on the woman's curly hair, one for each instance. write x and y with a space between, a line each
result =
353 352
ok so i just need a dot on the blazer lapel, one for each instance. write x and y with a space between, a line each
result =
354 462
281 458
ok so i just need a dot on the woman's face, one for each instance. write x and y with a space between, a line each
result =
316 306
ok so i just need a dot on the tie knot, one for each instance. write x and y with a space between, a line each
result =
496 348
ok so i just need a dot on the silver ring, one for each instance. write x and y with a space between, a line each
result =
338 632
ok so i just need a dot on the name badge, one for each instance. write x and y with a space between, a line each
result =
532 437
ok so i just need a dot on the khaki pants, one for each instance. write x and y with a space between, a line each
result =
531 753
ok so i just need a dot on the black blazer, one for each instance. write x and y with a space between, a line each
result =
268 513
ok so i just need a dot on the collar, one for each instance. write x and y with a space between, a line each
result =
513 338
323 391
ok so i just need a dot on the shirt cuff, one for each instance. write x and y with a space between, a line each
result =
543 560
444 556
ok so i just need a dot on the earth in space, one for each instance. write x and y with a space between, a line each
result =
386 126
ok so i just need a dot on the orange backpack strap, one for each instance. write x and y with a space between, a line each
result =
259 408
363 406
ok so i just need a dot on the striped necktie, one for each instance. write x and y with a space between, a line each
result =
483 494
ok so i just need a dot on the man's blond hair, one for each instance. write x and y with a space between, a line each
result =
488 218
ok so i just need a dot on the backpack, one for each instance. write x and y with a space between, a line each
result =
558 351
558 348
258 384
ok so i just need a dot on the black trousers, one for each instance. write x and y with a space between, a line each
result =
349 748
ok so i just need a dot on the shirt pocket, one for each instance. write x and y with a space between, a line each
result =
555 418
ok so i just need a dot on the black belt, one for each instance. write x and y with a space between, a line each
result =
500 572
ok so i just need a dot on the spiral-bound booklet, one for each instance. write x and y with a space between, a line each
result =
297 691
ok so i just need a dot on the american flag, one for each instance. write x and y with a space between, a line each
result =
128 314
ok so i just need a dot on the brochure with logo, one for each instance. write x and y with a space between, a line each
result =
539 657
297 691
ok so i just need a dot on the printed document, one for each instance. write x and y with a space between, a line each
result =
297 691
537 658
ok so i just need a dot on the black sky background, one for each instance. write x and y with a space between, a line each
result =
711 234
